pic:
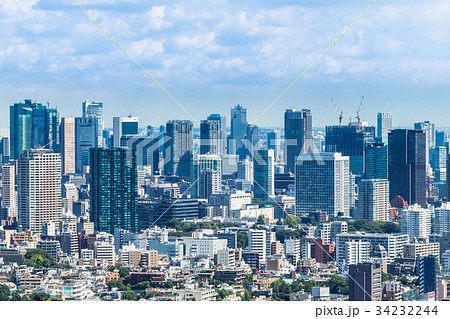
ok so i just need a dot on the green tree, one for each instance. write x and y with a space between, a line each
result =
39 258
247 281
223 293
5 293
386 277
337 284
40 296
292 221
173 223
129 295
282 234
260 220
168 284
281 290
242 240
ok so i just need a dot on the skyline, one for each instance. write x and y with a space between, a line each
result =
215 59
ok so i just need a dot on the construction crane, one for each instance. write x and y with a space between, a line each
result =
341 113
349 119
358 113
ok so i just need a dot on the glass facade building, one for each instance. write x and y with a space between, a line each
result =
113 182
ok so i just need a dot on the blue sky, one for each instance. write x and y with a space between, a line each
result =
211 55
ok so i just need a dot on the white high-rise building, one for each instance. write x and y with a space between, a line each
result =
322 182
373 201
208 174
292 246
39 188
67 145
105 251
245 170
356 252
226 257
257 243
416 221
442 218
8 208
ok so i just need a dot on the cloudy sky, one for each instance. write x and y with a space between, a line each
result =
211 55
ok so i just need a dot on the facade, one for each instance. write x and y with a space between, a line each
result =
39 188
428 275
407 165
67 148
356 252
208 174
94 109
373 200
8 208
365 282
442 218
264 178
178 151
322 183
438 161
238 131
376 161
113 183
430 132
233 199
223 131
274 143
297 135
351 141
210 137
32 125
147 150
416 222
124 127
384 125
416 250
206 246
85 139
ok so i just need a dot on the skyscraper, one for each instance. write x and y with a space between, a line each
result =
322 183
407 159
178 148
297 135
124 127
95 109
274 143
210 137
376 161
238 131
263 174
428 275
351 141
67 148
252 141
4 150
39 188
373 200
364 282
85 139
208 172
113 182
438 161
384 125
32 125
223 130
147 150
8 208
416 222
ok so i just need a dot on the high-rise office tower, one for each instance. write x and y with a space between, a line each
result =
364 282
147 150
441 138
441 219
322 184
428 275
297 135
223 130
263 174
124 127
85 139
253 140
210 137
113 182
178 148
95 109
430 131
39 188
208 174
274 143
438 160
376 161
416 222
384 125
245 170
407 164
4 150
67 148
238 131
32 125
373 200
351 141
8 208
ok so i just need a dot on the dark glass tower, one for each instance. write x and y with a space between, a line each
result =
376 161
428 274
407 165
223 130
113 182
210 137
238 131
297 135
351 141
